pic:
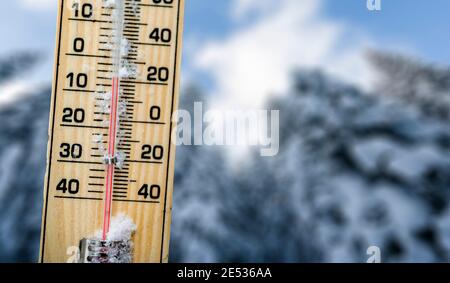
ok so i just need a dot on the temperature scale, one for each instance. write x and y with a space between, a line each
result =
110 151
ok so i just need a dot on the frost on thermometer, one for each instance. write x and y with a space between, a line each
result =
115 249
114 106
110 145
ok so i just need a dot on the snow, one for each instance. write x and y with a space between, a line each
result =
355 170
13 92
118 245
109 3
6 170
404 161
121 229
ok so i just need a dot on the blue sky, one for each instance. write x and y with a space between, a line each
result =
421 24
213 30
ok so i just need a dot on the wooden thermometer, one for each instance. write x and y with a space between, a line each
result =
110 151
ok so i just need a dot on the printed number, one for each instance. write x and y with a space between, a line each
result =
165 35
71 186
163 1
73 115
80 80
78 44
67 150
158 74
155 113
86 10
151 192
152 153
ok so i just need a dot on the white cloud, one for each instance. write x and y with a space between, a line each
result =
40 4
258 58
243 7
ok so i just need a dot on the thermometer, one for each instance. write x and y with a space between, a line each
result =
110 152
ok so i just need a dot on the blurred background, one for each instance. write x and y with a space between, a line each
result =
364 100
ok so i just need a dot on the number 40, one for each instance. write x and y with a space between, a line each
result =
150 191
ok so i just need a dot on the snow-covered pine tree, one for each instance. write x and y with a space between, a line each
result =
354 170
23 139
415 82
